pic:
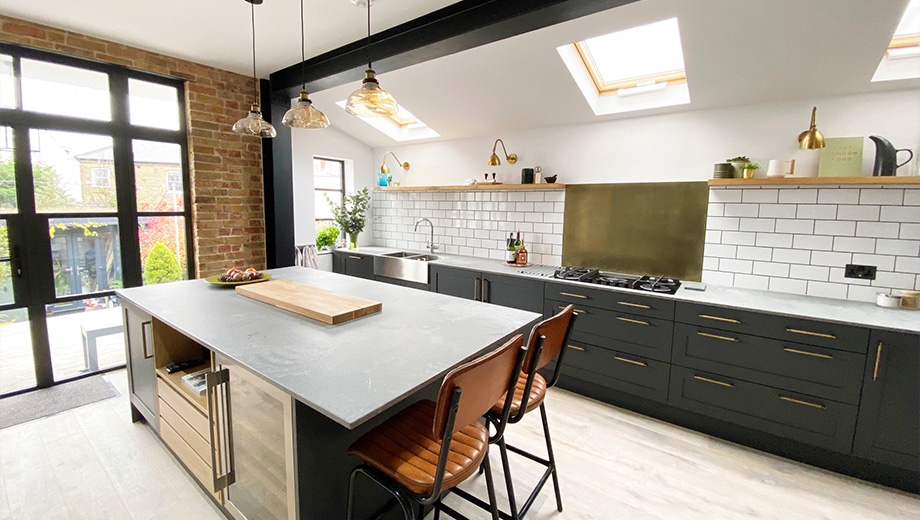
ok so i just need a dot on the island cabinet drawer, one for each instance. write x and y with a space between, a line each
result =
621 371
611 300
198 466
197 420
200 444
639 330
808 419
831 374
786 328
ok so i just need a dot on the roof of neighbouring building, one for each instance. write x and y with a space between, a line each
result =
144 152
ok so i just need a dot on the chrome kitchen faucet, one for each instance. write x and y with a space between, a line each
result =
432 247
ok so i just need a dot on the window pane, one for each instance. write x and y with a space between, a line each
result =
69 172
158 176
154 105
7 171
50 88
163 255
321 205
327 174
17 369
640 51
85 336
7 82
86 255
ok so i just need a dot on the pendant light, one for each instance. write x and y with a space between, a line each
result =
370 100
303 115
253 124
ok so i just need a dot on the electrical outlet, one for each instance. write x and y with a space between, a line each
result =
863 272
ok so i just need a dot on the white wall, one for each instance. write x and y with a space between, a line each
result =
670 147
359 173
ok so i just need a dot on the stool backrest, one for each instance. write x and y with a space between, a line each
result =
482 382
555 333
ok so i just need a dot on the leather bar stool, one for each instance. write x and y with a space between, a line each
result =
422 452
546 343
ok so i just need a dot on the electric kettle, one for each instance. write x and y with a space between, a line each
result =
886 157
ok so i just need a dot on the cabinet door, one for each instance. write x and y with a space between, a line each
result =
338 262
456 282
258 441
511 291
888 428
361 266
142 381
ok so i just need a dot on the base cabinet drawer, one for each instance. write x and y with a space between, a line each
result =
620 326
807 419
632 302
620 371
831 374
200 468
786 328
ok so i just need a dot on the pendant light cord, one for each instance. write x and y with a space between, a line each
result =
255 80
369 34
303 50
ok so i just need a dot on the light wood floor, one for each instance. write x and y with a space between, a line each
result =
93 463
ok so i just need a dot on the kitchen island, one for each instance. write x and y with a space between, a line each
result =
286 395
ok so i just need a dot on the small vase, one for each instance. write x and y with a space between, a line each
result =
748 173
352 241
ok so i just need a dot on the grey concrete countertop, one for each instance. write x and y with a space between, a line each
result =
349 372
811 307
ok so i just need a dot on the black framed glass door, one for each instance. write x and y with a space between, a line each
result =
93 197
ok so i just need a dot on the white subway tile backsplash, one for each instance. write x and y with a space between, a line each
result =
881 196
777 210
725 195
910 231
912 197
854 245
894 280
898 247
710 263
865 213
900 214
907 264
817 211
798 196
754 253
835 227
748 281
713 237
757 224
862 293
792 256
771 269
760 195
720 250
838 196
827 290
877 229
774 240
718 277
883 262
723 223
736 266
795 225
809 272
740 210
813 242
828 258
788 285
739 238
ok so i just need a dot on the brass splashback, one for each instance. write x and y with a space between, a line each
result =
641 228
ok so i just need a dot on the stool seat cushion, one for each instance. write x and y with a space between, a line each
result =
537 394
404 449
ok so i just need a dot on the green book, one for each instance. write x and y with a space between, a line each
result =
841 157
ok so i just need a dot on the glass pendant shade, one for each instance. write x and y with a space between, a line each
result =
253 124
370 100
303 115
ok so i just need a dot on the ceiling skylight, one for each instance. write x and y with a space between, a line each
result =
902 59
613 69
403 126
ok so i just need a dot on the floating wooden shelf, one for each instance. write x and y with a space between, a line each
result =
474 187
810 181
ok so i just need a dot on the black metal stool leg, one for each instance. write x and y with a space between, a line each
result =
506 469
404 502
552 459
490 486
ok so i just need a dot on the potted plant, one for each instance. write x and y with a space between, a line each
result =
349 215
749 170
738 164
325 238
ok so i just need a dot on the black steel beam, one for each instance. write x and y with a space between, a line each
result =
455 28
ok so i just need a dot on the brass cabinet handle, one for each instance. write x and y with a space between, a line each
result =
573 347
878 359
713 381
806 353
636 305
630 361
805 403
482 292
576 311
715 336
637 322
573 295
809 333
476 286
718 318
353 257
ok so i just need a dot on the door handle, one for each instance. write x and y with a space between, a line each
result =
630 320
716 336
477 283
144 338
16 262
353 257
636 305
718 318
878 359
486 296
221 422
809 333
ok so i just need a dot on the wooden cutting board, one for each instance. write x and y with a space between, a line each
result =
320 304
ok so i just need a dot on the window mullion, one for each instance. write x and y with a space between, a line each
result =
125 185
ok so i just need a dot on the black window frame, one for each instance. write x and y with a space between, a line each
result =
327 190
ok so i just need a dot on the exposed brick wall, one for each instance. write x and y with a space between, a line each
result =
226 168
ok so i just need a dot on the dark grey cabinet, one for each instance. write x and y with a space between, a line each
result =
888 429
142 381
353 264
508 291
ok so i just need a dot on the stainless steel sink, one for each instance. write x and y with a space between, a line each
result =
403 265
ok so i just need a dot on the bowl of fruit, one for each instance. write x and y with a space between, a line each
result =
236 276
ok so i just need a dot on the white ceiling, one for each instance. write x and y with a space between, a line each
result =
217 32
736 53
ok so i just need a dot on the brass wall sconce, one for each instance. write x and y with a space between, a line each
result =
386 169
495 161
811 138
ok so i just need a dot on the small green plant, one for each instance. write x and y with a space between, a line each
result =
751 166
740 158
325 238
350 214
161 266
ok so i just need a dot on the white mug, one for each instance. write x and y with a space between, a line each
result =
779 168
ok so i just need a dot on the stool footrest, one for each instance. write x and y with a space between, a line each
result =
528 455
478 502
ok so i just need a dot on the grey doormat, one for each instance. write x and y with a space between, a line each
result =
49 401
